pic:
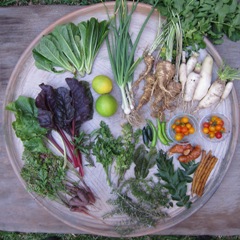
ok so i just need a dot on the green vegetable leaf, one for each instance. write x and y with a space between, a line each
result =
26 125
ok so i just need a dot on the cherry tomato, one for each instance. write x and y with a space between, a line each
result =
211 134
173 126
177 122
218 127
214 118
184 120
179 136
220 122
218 135
205 130
212 128
191 130
178 129
184 129
206 125
188 125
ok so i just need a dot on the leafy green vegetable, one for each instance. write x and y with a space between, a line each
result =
43 173
65 110
144 160
71 47
109 149
199 18
26 125
175 180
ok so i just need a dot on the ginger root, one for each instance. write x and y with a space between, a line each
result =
194 154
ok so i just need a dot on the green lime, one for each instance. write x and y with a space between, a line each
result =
102 84
106 105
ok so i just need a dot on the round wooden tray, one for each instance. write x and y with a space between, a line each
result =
25 80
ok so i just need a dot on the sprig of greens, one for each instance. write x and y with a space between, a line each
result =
175 181
71 47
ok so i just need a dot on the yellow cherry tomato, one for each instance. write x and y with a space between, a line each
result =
205 130
184 120
179 136
211 134
188 125
191 130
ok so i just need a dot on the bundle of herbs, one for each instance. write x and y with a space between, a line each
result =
45 173
71 47
141 198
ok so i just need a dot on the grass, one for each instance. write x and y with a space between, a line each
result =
46 236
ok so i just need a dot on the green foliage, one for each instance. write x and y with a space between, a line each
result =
109 149
199 18
176 180
43 173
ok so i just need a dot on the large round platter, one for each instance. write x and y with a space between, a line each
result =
25 80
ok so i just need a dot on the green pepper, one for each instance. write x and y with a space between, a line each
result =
161 137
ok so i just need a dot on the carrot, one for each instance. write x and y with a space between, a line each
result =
205 79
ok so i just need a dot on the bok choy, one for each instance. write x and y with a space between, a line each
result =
71 47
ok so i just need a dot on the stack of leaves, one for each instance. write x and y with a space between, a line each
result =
199 18
71 47
175 181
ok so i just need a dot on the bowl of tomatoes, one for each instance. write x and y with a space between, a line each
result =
214 127
182 128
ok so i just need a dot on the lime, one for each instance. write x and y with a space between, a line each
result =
106 105
102 84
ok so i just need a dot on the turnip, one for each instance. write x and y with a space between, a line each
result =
205 78
192 81
191 63
221 88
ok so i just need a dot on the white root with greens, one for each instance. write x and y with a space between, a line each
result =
205 79
221 88
183 71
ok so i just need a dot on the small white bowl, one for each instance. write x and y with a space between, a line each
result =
226 125
187 138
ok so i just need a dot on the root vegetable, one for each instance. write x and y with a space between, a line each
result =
191 84
213 95
205 79
165 72
149 61
227 90
149 82
194 154
191 63
178 148
220 88
183 72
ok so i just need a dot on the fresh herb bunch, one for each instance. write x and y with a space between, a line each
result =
109 149
71 47
175 181
43 173
199 18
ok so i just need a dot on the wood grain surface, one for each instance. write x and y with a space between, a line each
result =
18 210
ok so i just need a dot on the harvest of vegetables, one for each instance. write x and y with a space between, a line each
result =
142 167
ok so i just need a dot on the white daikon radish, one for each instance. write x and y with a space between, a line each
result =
191 63
183 71
220 88
213 95
205 78
192 81
227 90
